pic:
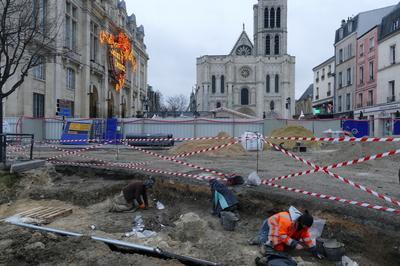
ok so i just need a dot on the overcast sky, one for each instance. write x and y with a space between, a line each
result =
179 31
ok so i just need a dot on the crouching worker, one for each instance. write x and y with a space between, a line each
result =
286 230
133 195
222 198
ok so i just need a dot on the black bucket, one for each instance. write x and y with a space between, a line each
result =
229 221
334 250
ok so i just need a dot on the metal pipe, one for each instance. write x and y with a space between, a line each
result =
140 248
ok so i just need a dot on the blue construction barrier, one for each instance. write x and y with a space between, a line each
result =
396 127
76 133
358 128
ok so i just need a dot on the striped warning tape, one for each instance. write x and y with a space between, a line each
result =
344 180
344 139
205 150
97 164
70 153
165 158
339 165
333 198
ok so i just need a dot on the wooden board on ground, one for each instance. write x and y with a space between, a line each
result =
45 215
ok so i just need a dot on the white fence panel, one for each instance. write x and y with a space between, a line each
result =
14 124
321 126
53 128
212 127
241 128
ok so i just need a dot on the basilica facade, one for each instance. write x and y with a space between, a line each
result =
257 77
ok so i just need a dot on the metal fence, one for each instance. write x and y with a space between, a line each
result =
179 127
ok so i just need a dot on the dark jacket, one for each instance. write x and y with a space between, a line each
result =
222 198
136 191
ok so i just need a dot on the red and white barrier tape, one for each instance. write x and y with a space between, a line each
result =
97 164
333 198
165 158
70 153
344 139
205 150
344 180
339 165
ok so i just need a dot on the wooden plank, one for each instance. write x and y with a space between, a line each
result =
29 211
60 214
44 211
44 215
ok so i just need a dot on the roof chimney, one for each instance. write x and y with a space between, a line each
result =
343 22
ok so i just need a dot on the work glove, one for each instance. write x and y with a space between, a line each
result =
142 206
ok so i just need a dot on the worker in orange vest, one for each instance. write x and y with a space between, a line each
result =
286 229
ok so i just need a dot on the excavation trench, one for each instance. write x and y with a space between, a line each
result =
185 226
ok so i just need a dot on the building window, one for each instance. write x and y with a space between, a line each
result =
71 79
38 105
348 101
360 100
276 83
272 105
361 75
329 69
222 84
268 45
71 22
341 34
340 104
40 11
350 26
392 92
39 71
361 50
218 105
340 80
272 18
349 50
94 41
213 85
348 76
393 54
329 92
266 18
370 98
244 99
371 71
276 50
317 94
371 43
278 17
340 56
268 84
323 74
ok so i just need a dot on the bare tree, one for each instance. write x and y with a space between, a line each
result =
28 31
177 103
27 37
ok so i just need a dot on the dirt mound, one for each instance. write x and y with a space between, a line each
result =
191 146
294 131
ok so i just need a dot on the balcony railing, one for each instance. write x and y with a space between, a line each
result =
391 99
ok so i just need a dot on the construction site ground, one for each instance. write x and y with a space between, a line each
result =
186 226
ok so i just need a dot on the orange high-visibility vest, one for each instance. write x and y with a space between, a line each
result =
283 232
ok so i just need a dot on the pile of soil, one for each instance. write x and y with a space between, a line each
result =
191 146
293 131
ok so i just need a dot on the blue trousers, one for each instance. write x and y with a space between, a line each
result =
263 233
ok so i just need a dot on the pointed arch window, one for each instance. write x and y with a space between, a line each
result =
276 83
268 45
278 17
272 18
266 18
244 96
277 43
222 84
213 84
268 84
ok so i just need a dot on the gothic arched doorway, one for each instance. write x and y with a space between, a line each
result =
93 103
110 105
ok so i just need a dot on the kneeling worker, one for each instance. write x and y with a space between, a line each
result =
286 230
222 198
134 194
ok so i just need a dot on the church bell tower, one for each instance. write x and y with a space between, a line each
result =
270 27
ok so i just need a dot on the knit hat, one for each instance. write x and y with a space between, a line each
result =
306 220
